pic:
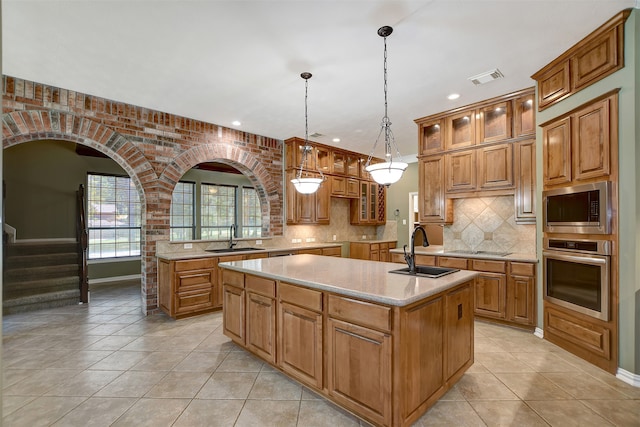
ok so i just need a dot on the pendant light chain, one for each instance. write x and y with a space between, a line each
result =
303 163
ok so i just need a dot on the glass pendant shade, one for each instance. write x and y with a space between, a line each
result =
386 173
306 185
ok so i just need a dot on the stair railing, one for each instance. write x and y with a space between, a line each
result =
83 242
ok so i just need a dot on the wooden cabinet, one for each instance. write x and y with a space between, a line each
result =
460 130
307 208
345 163
318 156
460 171
577 146
458 328
434 207
369 208
495 167
233 315
495 122
431 137
596 56
261 317
491 295
187 287
374 251
344 187
525 182
300 335
524 119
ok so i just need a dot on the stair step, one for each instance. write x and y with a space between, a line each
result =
40 273
41 301
39 248
32 287
21 261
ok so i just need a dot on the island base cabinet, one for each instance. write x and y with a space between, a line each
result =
458 330
233 318
300 343
359 370
261 326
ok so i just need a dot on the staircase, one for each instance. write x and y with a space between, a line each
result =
40 275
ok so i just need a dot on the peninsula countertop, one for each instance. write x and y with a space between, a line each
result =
368 280
201 253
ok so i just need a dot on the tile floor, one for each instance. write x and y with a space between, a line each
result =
107 365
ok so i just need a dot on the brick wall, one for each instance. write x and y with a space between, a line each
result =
155 149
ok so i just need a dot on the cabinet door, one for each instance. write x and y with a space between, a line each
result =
556 152
373 203
434 208
338 186
525 177
300 343
352 188
491 295
496 122
431 137
495 167
233 314
461 130
591 141
553 85
323 204
521 300
525 116
359 369
261 326
323 159
338 162
461 171
353 166
458 329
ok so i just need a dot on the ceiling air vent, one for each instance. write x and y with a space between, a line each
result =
486 77
316 135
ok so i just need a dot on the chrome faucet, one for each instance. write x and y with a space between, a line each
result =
232 231
411 257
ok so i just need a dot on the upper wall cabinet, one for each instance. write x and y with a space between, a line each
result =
495 122
431 137
576 147
461 130
593 58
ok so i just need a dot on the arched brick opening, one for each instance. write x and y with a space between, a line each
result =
266 187
29 126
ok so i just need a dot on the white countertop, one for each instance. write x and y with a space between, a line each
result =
440 251
368 280
199 253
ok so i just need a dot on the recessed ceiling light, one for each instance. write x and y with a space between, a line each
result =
236 123
336 139
453 96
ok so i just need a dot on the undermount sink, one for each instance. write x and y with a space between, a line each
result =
233 250
425 271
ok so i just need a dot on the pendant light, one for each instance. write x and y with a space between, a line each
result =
390 171
307 184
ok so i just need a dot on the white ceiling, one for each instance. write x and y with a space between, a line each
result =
220 61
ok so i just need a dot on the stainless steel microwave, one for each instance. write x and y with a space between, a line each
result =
580 209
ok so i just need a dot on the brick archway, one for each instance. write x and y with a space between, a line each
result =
266 187
29 126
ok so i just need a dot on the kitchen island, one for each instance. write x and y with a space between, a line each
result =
383 346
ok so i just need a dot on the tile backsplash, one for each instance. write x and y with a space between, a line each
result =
488 224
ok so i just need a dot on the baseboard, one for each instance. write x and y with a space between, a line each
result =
628 377
539 333
114 279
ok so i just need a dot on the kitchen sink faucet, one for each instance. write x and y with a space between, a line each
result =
411 257
232 231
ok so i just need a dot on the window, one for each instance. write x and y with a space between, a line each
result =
217 211
183 225
251 213
113 217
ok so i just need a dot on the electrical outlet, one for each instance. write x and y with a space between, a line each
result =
309 239
188 245
334 237
364 237
258 242
293 240
404 222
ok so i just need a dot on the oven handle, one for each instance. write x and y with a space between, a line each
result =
582 259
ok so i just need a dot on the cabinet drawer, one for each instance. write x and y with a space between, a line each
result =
195 264
486 265
395 257
194 279
445 261
302 297
425 260
332 251
360 312
374 247
233 278
523 269
312 251
260 285
193 301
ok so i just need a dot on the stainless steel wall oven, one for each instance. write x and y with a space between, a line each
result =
577 275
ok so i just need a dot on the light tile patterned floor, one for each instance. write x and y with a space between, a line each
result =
106 364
